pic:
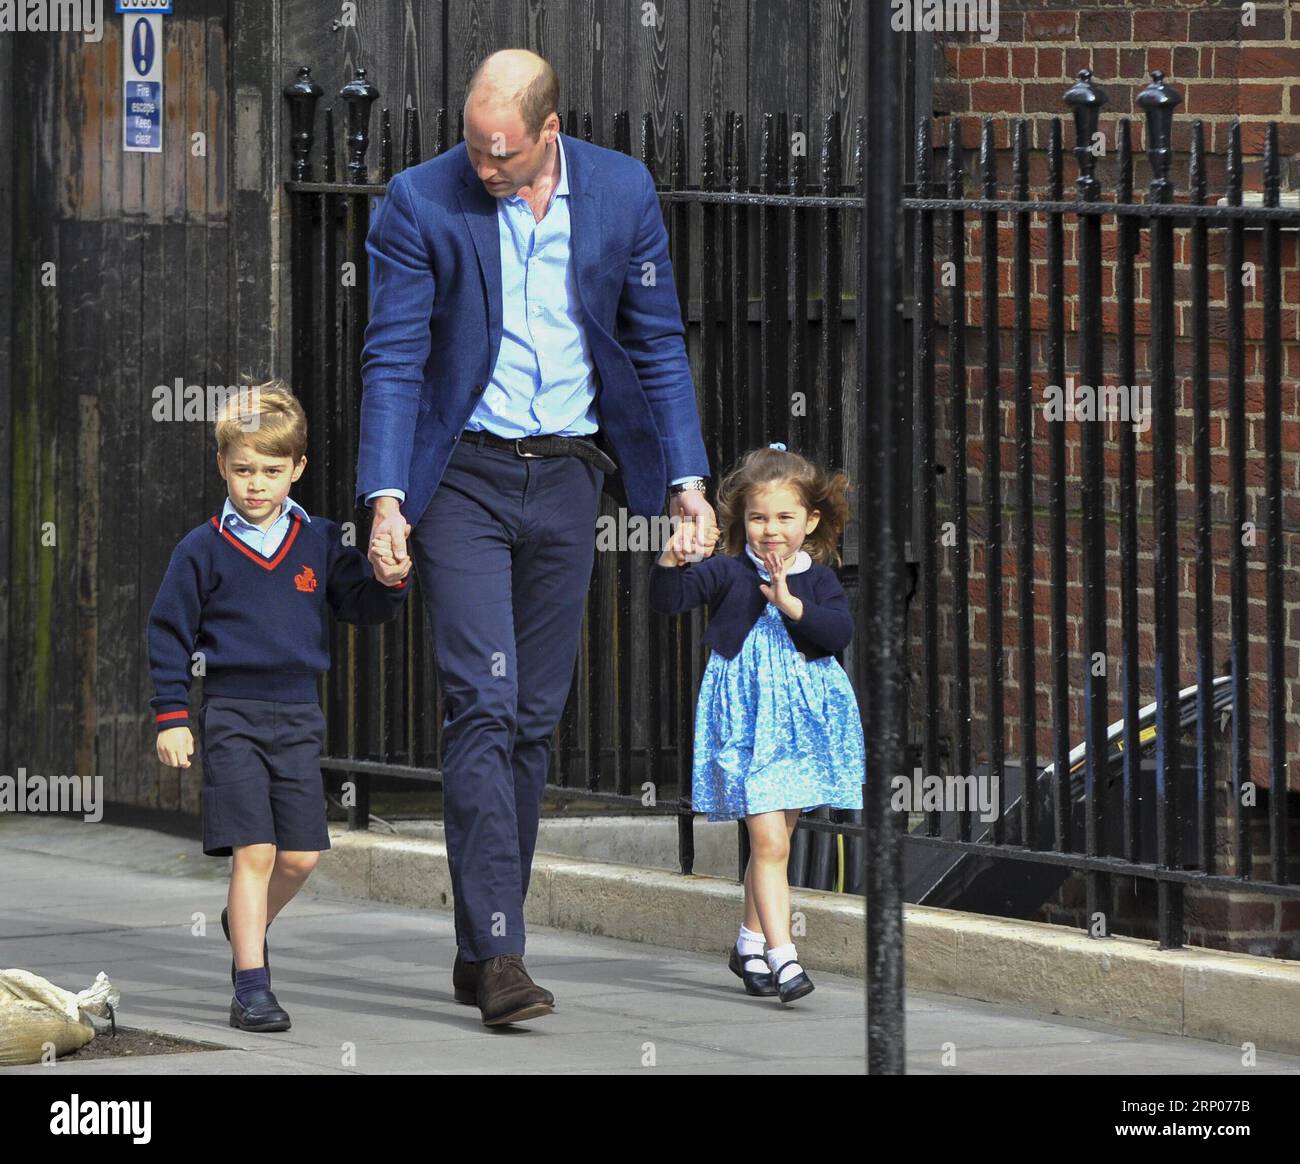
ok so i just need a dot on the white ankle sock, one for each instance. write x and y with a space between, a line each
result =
749 943
782 954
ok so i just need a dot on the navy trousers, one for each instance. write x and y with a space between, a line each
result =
504 555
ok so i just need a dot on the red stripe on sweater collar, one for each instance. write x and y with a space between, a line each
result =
295 523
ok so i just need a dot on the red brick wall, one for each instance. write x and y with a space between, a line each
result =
1224 69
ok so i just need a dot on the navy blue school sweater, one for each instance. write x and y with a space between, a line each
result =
260 623
729 584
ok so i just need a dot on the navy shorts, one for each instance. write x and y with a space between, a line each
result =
261 774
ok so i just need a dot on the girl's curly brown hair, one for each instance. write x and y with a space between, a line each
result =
824 490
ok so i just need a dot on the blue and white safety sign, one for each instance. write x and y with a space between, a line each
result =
142 82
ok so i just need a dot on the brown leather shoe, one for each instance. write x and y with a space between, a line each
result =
464 982
506 994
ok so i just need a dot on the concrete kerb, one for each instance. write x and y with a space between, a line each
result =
1204 994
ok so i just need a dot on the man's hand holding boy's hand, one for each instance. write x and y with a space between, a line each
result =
386 568
389 524
175 747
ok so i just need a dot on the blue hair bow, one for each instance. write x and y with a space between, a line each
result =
777 445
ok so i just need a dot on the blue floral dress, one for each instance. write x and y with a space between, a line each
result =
774 730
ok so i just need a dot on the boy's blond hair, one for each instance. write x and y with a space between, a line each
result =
266 417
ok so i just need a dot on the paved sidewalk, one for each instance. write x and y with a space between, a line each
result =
369 987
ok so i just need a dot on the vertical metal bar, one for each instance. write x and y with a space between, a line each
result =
961 531
584 735
880 624
410 137
923 280
303 304
679 218
728 420
1128 228
682 644
1158 100
660 630
791 430
1025 500
779 417
366 690
413 628
381 640
859 184
742 405
828 414
771 282
600 680
1238 616
709 267
992 425
1204 514
1064 840
335 451
1275 650
385 145
1087 101
440 143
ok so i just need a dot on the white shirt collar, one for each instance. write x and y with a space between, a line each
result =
229 512
562 186
802 562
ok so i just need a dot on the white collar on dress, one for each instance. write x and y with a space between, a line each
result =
801 562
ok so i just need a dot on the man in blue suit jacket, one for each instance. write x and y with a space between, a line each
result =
524 324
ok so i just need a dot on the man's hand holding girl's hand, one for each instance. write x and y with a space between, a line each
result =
175 747
689 544
691 513
778 593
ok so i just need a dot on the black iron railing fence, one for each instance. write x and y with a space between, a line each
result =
768 276
1063 806
765 272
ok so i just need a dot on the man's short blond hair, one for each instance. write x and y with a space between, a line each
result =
266 417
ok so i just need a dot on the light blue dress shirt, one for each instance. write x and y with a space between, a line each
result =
544 379
266 541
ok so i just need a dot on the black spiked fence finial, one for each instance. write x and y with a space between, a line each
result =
359 95
1158 101
302 95
1086 100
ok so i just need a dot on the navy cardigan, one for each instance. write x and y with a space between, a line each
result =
730 586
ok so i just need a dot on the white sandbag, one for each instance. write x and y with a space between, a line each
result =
34 1012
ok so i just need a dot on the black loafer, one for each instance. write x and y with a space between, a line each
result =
762 985
266 950
795 987
263 1013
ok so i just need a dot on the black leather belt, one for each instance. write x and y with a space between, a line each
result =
547 445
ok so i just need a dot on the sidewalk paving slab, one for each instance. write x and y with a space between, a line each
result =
368 986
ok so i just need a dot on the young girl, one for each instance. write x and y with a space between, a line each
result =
777 730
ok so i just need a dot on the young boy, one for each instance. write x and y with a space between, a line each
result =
243 603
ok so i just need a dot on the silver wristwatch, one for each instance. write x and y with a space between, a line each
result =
695 483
